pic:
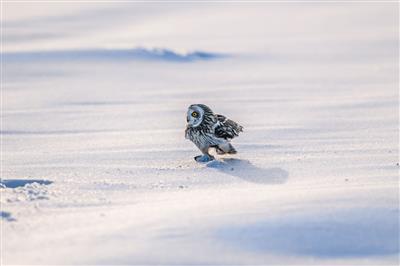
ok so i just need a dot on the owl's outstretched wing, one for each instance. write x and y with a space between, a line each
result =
226 128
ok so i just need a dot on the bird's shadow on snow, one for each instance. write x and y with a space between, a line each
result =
245 170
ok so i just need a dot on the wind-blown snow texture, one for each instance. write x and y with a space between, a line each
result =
96 169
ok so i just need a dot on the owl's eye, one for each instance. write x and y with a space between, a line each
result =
194 114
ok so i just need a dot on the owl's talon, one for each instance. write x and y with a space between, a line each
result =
203 158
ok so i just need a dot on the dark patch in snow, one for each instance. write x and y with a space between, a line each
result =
245 170
165 55
14 183
7 216
362 232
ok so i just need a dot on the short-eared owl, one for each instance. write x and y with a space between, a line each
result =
208 130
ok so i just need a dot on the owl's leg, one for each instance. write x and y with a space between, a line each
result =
206 157
203 158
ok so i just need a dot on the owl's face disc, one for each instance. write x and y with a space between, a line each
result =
194 115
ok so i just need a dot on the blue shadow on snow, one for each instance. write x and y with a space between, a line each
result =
7 216
351 233
14 183
245 170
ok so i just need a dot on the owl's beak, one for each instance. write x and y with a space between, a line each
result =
187 119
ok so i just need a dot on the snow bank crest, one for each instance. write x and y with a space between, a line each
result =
25 189
142 54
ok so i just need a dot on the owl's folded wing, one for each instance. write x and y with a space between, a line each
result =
187 133
226 128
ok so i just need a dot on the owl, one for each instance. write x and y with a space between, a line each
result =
208 130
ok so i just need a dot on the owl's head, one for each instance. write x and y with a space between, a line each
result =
197 113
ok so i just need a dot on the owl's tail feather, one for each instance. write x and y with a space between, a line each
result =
232 149
225 148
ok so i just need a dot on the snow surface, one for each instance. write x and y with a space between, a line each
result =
96 169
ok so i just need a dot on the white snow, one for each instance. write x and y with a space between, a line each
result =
315 86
